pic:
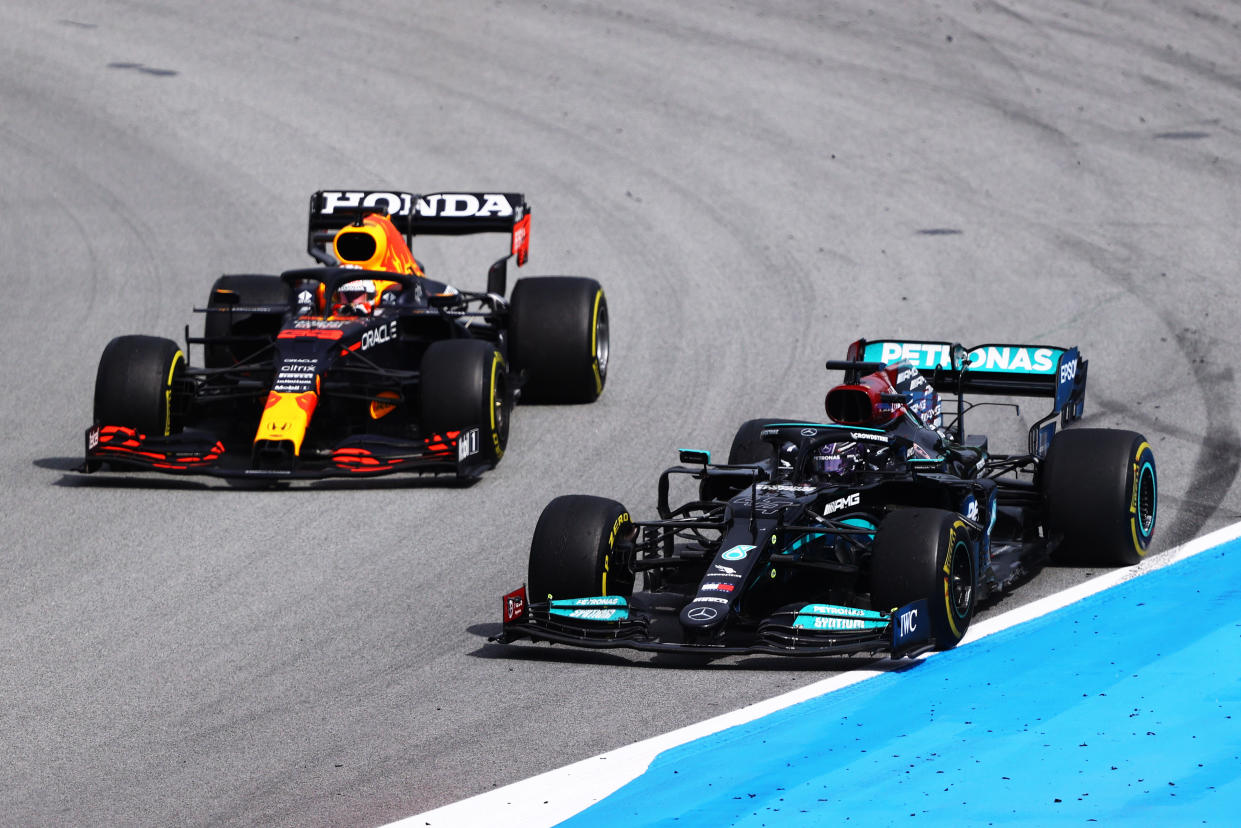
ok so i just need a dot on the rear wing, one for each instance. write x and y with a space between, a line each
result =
434 214
997 369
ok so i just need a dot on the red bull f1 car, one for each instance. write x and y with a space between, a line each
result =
361 365
880 530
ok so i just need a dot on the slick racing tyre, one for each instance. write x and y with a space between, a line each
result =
138 385
926 553
558 335
574 552
465 386
257 329
1101 493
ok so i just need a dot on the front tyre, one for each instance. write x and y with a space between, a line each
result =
927 553
574 552
1101 494
465 386
559 335
138 385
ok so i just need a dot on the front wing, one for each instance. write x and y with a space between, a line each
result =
641 623
199 452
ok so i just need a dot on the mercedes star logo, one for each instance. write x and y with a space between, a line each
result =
702 613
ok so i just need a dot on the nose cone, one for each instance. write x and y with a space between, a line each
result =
702 616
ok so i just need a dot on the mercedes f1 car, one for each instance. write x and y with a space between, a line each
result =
879 531
360 366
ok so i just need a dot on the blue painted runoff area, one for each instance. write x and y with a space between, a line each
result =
1122 709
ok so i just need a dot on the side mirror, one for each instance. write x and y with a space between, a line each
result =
444 301
697 456
960 357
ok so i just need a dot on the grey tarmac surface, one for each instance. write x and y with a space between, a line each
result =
755 184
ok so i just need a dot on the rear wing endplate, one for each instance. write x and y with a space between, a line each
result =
433 214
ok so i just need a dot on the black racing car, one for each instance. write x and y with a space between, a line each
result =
359 366
880 531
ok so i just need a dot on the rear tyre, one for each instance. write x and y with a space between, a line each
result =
1101 493
927 553
138 385
559 336
574 552
465 386
258 328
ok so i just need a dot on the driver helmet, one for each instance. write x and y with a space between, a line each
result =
356 297
837 458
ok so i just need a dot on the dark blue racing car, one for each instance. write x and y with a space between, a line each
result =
880 530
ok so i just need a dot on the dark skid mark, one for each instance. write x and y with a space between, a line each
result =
1188 135
78 24
144 69
1219 456
940 231
1217 464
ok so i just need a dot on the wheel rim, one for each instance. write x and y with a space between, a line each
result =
1146 500
499 400
602 343
961 581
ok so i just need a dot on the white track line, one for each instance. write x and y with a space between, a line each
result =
553 797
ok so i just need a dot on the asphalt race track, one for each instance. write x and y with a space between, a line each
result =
755 184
